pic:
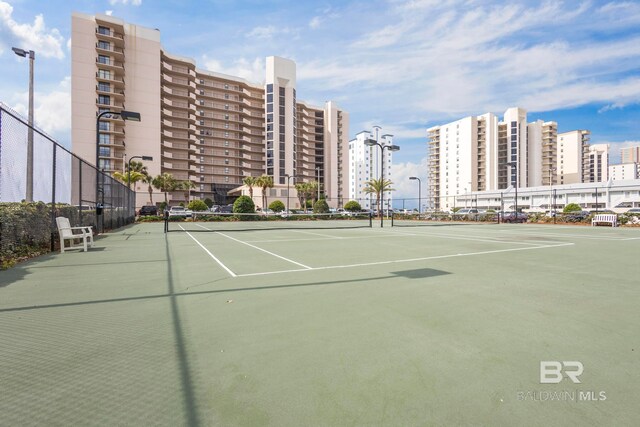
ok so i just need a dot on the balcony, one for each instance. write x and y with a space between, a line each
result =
110 36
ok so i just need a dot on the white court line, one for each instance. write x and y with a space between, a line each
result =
472 238
211 255
266 251
566 236
317 234
367 264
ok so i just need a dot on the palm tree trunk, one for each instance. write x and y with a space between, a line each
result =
150 189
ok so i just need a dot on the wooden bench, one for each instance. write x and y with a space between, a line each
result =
605 218
73 234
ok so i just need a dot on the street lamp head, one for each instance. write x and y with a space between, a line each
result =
20 52
370 142
393 148
23 53
147 158
130 115
413 177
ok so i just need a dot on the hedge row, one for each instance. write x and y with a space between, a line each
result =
26 230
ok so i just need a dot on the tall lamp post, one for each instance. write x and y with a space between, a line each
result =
288 195
370 143
125 115
318 171
551 201
419 193
32 56
515 166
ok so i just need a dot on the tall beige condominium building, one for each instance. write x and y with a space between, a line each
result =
207 128
481 153
630 154
572 152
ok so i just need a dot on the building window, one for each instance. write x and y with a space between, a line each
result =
104 30
102 59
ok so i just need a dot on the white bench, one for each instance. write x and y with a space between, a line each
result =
605 218
72 234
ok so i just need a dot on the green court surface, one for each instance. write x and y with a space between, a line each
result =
438 325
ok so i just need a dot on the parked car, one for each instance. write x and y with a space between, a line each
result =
518 217
148 210
633 211
225 209
577 216
179 211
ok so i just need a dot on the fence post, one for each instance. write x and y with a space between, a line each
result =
53 198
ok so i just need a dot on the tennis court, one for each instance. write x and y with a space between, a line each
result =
316 325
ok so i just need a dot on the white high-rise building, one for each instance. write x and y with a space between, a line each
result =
572 149
624 171
480 153
596 163
365 164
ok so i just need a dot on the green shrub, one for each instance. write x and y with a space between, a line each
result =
352 206
197 206
572 207
244 204
321 206
277 206
208 202
163 207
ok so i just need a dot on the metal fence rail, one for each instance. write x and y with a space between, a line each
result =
63 182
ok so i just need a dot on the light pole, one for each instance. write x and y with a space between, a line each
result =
32 57
288 180
551 170
149 158
515 166
370 143
419 193
318 171
125 115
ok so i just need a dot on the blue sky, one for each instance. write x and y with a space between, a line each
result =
403 65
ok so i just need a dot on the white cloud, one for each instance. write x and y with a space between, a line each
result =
315 22
52 110
36 36
407 188
252 71
268 32
108 12
125 2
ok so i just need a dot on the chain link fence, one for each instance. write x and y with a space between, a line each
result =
62 184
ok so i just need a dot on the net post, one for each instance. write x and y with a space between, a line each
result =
370 219
166 221
393 214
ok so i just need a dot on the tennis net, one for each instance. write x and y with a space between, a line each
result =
206 221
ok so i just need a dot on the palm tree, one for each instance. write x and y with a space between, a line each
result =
165 183
148 179
124 177
378 187
301 191
186 186
250 181
312 190
265 181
